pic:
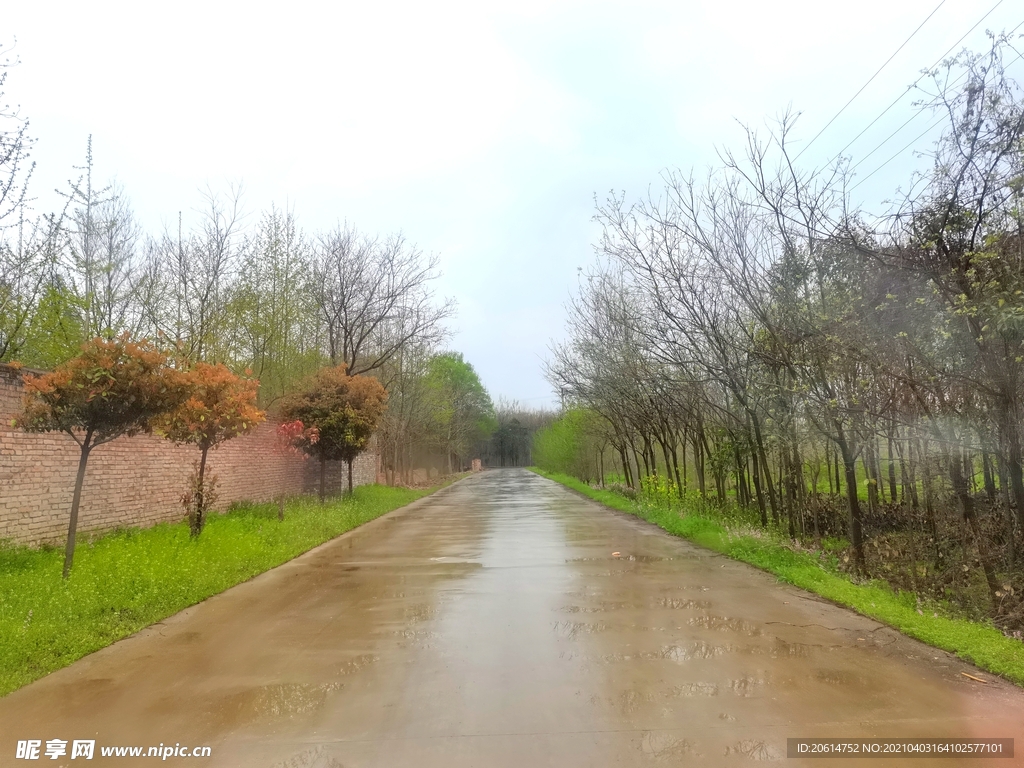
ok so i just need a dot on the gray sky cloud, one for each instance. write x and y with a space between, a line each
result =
482 131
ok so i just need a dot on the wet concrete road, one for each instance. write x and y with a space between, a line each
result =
490 625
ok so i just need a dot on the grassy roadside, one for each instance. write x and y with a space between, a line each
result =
982 645
129 579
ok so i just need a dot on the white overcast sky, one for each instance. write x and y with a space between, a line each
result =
481 130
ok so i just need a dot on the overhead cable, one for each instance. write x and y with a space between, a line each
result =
858 93
914 84
920 136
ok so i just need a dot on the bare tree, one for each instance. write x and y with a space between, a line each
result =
373 297
197 269
15 152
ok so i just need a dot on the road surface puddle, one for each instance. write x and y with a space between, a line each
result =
602 607
570 630
631 701
680 654
413 613
839 677
310 758
284 700
726 625
662 747
747 686
358 663
753 749
688 690
681 604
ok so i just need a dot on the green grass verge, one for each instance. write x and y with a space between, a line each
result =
979 644
128 579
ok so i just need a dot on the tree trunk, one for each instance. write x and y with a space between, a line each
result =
69 549
756 476
912 474
989 475
904 475
741 485
962 490
892 468
198 512
869 470
796 484
641 473
828 469
766 471
876 456
1004 479
1015 471
929 498
680 487
350 476
625 466
647 467
698 460
686 471
668 458
856 531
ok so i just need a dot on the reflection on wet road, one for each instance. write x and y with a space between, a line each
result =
490 625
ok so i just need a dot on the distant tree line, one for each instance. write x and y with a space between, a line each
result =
515 426
752 338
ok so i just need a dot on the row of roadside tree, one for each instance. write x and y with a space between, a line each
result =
755 340
120 388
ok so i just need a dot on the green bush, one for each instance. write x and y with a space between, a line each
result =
566 445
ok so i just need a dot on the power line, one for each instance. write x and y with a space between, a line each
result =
928 130
858 93
914 84
908 121
886 140
920 136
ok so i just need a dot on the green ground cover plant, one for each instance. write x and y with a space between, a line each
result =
128 579
976 642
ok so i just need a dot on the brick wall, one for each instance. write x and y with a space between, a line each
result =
136 481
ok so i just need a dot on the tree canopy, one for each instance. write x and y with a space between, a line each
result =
460 410
220 406
344 410
111 389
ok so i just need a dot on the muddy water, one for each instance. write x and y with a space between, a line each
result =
490 625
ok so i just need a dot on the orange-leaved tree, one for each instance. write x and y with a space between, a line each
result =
220 405
112 388
342 412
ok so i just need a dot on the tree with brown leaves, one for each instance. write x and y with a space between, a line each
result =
112 388
220 405
345 411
